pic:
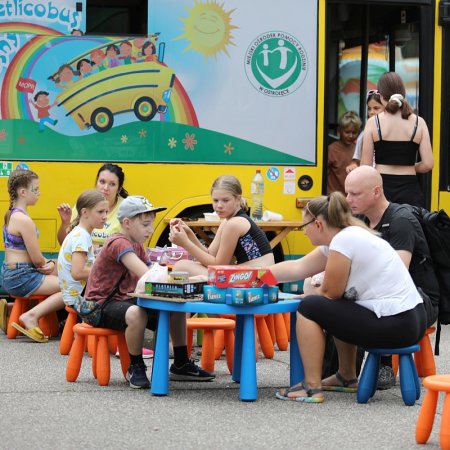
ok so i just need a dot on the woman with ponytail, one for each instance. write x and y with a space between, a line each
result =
109 181
367 297
400 142
25 270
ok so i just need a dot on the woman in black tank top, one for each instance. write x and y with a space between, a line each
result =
399 142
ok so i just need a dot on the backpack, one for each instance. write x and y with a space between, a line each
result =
436 227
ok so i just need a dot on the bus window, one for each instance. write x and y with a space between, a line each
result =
116 17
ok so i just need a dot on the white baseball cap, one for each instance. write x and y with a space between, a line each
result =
134 205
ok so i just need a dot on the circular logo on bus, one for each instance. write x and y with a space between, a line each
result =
276 63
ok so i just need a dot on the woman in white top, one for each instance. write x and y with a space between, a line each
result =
367 297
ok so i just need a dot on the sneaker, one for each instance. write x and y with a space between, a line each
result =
189 372
147 353
137 377
386 378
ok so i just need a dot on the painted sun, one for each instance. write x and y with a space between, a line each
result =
208 28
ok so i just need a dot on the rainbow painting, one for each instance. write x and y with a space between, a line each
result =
41 50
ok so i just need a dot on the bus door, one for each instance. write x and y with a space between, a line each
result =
365 40
444 184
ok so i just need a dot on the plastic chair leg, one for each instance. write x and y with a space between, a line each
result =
229 348
426 357
265 339
112 344
103 361
271 326
208 350
416 377
14 317
426 417
219 343
94 339
280 332
444 435
91 345
368 379
67 335
407 380
75 358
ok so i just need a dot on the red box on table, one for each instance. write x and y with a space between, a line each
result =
240 276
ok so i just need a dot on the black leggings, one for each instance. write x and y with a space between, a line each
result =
354 324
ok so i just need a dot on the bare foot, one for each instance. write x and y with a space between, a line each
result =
28 322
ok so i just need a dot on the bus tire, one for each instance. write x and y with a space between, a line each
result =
102 119
145 109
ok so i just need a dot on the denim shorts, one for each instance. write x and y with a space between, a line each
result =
22 281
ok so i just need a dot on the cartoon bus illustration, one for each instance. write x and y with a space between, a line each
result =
143 88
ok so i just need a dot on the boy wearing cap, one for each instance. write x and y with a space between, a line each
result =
124 258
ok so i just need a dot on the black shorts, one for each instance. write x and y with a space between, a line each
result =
113 315
403 189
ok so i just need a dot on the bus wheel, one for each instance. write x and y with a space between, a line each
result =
102 119
145 109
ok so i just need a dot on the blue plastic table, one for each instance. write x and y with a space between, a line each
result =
244 363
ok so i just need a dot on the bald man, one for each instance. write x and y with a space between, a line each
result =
397 225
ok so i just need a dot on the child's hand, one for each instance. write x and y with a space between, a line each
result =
175 221
65 212
351 166
47 268
178 236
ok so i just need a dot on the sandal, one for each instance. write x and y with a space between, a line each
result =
345 385
305 399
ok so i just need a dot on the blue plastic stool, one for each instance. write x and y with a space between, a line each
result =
409 381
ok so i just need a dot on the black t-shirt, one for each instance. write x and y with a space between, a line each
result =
402 230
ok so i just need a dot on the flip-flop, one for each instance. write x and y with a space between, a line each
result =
344 386
34 333
305 399
3 315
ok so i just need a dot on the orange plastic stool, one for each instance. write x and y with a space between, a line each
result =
208 325
49 324
265 339
278 330
67 335
262 331
434 384
424 358
100 357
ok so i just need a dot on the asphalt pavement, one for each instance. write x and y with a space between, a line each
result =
40 409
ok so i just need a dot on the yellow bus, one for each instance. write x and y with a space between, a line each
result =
244 85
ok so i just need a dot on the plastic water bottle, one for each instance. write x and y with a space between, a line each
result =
257 191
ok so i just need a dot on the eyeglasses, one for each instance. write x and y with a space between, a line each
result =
304 225
314 218
35 190
372 92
